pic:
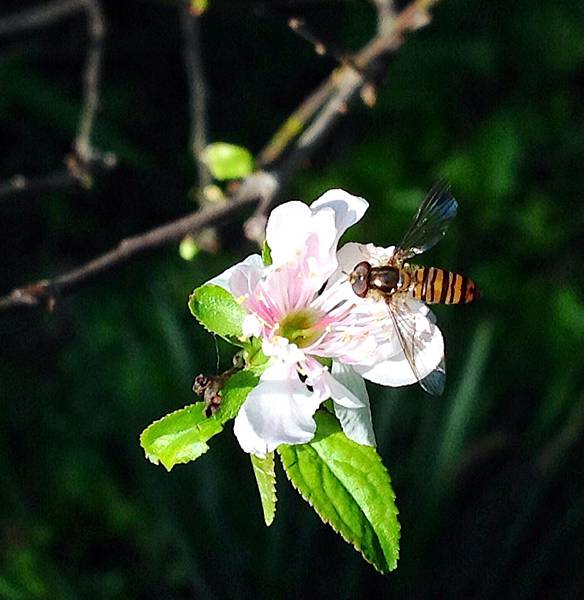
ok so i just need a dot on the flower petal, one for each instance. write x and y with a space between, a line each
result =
279 410
355 420
287 230
295 229
246 273
395 370
348 209
334 387
251 326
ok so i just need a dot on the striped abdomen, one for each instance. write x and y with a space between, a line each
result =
438 286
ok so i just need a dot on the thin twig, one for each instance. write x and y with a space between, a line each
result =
19 184
197 88
385 8
40 16
260 186
207 239
91 80
305 147
46 292
294 125
335 94
299 26
73 176
85 161
386 12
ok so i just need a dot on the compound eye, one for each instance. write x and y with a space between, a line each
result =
360 287
360 279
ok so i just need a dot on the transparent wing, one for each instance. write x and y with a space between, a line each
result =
434 216
414 336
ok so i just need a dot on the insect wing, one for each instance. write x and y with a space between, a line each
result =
411 329
434 216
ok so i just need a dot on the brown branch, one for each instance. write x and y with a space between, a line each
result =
386 12
335 94
411 18
262 187
46 292
322 48
40 16
91 81
207 239
19 184
73 176
294 125
197 88
85 161
305 147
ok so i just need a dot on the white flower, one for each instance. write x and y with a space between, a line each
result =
304 310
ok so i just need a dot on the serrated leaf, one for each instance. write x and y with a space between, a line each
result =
263 469
349 488
217 310
266 254
181 436
228 161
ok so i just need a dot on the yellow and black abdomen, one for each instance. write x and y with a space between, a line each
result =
438 286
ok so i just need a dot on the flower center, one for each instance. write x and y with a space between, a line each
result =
301 327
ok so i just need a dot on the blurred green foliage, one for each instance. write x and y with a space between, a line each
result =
488 477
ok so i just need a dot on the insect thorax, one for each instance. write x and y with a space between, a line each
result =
384 279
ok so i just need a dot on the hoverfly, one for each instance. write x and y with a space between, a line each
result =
398 280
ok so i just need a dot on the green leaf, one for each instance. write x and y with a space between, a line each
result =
234 393
349 488
217 310
266 254
228 161
263 469
181 436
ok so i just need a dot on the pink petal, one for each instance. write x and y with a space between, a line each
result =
242 277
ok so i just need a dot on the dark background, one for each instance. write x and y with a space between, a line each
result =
488 477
